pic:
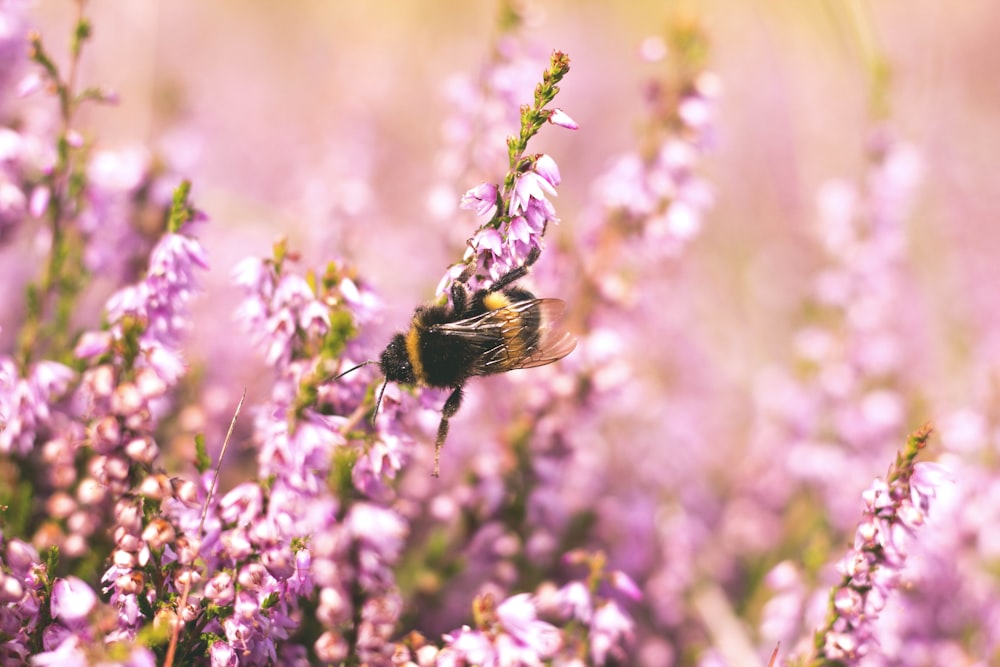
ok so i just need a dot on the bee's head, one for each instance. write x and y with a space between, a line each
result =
395 361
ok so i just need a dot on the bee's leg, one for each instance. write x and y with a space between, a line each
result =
450 408
516 274
459 298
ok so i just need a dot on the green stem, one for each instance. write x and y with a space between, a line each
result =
50 301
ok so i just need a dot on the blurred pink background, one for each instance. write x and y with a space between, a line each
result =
321 120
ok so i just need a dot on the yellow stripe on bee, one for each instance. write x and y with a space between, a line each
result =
496 300
413 352
511 330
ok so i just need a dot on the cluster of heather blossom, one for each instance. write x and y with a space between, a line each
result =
945 606
84 416
836 415
104 423
578 623
555 453
655 194
650 205
518 211
872 570
528 212
110 420
336 543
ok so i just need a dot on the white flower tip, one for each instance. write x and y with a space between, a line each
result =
562 119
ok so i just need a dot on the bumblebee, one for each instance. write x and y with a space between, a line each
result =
494 330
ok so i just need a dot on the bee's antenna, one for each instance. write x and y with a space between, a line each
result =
354 368
378 403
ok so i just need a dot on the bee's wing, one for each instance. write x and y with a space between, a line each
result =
553 346
498 336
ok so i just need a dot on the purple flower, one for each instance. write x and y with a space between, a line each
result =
872 569
222 654
609 629
161 303
624 583
25 402
529 186
241 505
13 205
518 617
488 240
482 199
575 601
68 653
72 600
547 168
221 589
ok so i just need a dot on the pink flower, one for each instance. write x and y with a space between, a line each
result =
488 240
547 168
562 119
72 600
222 655
609 627
517 615
529 186
482 199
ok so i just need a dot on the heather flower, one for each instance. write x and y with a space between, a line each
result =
610 628
482 199
656 195
518 211
871 571
25 401
509 633
562 119
72 600
116 181
530 186
13 205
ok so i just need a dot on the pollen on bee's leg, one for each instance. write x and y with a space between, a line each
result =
438 446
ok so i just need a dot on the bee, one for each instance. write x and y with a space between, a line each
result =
493 330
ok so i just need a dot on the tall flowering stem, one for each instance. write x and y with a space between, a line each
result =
517 213
60 192
534 116
894 509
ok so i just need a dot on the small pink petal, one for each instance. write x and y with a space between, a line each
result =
547 168
72 599
562 119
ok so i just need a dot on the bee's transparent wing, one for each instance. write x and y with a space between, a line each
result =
504 338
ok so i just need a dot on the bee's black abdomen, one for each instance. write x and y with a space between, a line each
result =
445 361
